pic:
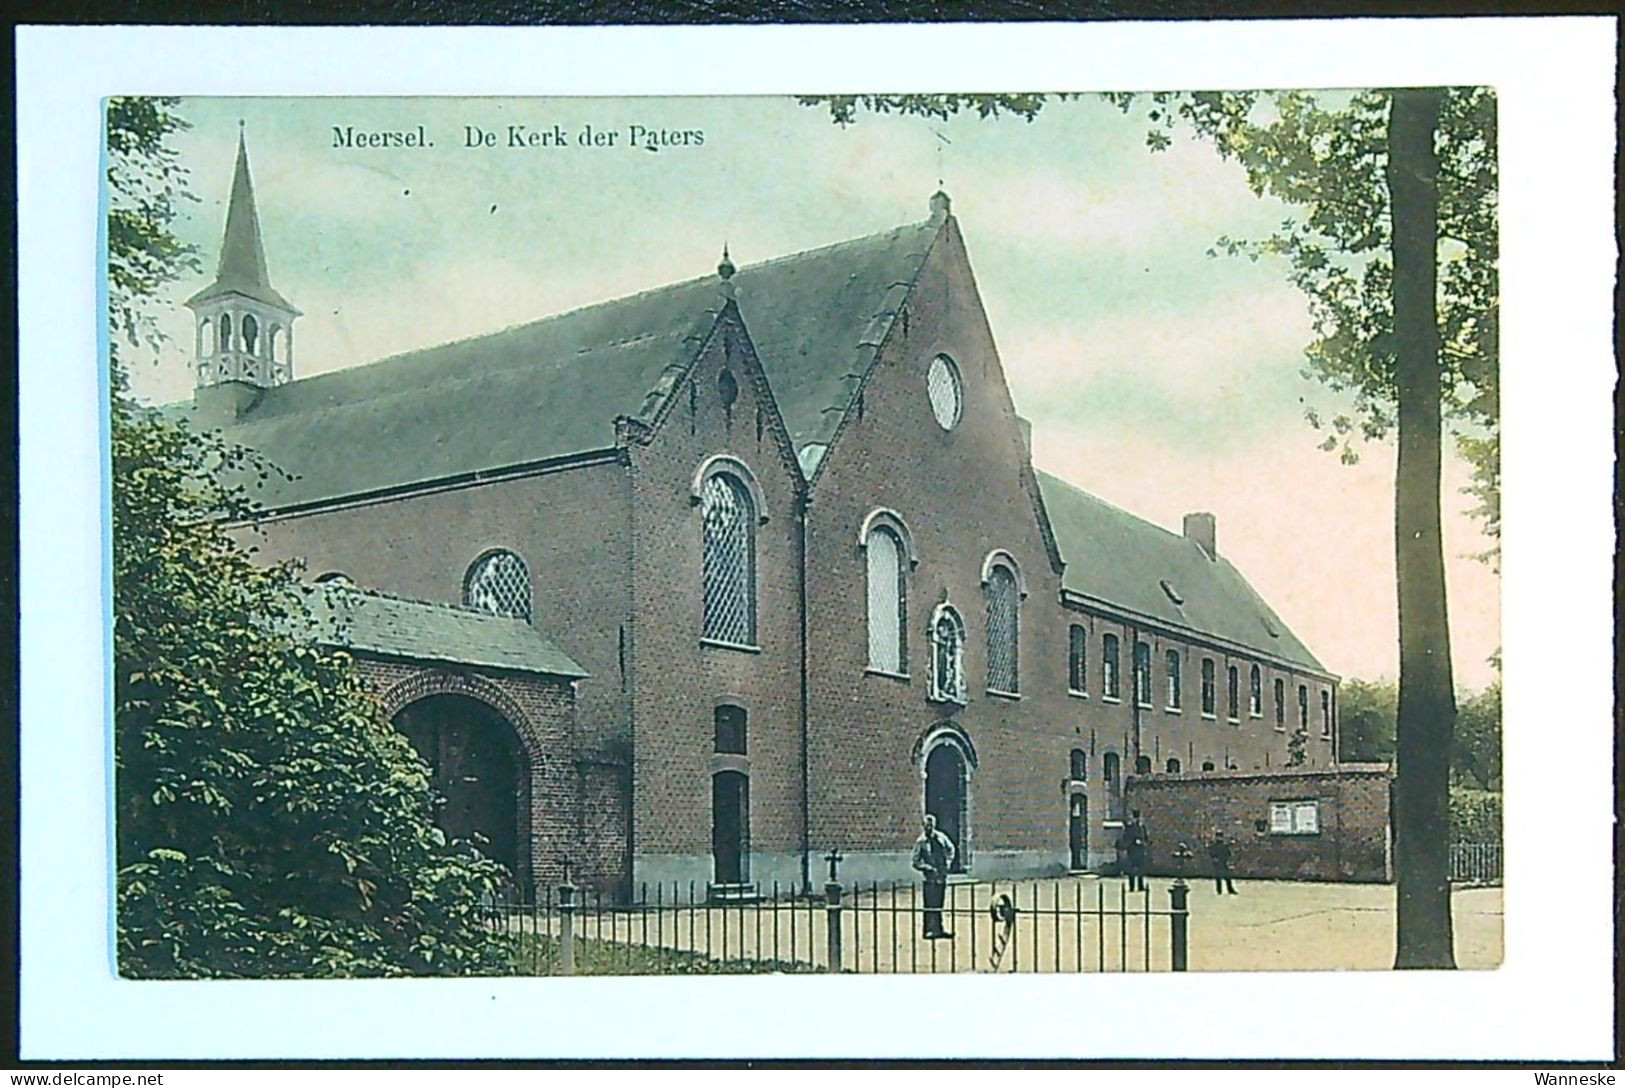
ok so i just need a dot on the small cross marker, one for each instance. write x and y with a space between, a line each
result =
834 857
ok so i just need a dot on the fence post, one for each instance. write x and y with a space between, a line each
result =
832 907
567 927
1179 906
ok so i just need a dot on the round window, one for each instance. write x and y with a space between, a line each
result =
942 382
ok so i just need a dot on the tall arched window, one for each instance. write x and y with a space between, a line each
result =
1111 774
1255 693
1077 660
1303 709
729 565
1003 630
947 655
1142 673
1174 694
1108 666
1078 765
888 600
499 583
1209 696
1280 704
1232 694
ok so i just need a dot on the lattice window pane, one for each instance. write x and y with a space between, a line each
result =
942 383
948 656
1003 631
729 561
499 584
888 608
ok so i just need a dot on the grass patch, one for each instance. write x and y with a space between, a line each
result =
539 955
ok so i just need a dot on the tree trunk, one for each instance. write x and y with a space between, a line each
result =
1427 707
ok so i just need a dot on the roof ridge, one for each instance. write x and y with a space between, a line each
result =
574 311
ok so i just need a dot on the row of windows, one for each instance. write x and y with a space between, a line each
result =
887 560
1110 686
499 582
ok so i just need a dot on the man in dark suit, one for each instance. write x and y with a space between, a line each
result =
1136 845
1219 851
933 857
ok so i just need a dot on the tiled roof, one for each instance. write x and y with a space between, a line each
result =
1116 558
553 387
376 623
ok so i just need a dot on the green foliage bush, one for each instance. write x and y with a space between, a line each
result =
1475 815
269 822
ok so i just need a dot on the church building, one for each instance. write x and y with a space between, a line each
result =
702 583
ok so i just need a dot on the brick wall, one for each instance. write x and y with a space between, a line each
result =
542 711
961 494
1350 844
678 681
570 527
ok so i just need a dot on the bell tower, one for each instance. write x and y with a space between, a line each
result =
244 327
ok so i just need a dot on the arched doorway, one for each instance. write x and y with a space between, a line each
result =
1078 831
477 766
730 827
945 796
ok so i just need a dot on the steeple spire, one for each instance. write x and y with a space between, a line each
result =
242 269
244 325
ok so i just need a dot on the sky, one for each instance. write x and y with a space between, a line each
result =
1157 377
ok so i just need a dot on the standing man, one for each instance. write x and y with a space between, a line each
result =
1219 851
1137 846
933 857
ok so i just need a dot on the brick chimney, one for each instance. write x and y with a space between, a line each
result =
1203 529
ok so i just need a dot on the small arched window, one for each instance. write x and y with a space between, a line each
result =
251 333
1078 765
1255 693
888 600
1142 764
1174 694
948 655
333 577
1172 766
1207 765
729 563
498 582
225 332
729 723
1003 630
1108 667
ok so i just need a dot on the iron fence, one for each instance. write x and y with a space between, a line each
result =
1065 925
1475 862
